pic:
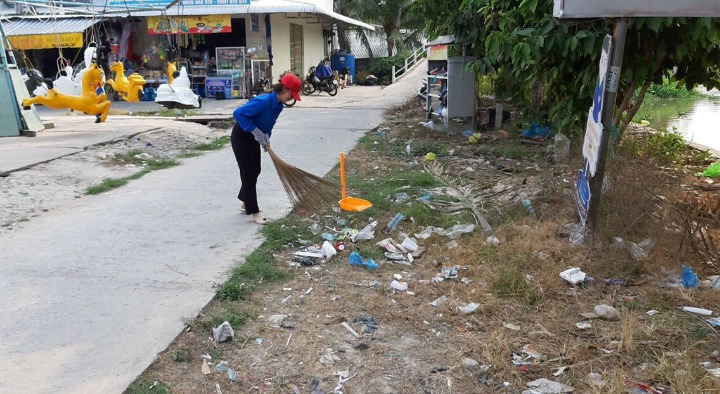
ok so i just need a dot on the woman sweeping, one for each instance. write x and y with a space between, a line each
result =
253 128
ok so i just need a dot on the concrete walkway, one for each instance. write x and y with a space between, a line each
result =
91 293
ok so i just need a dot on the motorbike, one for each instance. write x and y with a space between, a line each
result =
313 84
263 86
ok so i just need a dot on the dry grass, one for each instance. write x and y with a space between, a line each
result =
515 282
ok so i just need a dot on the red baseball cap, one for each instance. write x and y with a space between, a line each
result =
293 83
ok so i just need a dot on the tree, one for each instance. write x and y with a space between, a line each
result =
534 56
393 16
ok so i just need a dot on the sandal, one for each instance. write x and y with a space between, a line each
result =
242 207
261 221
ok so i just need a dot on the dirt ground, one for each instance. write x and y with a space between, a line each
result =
527 325
53 185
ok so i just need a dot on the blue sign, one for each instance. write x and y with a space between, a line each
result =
582 192
162 4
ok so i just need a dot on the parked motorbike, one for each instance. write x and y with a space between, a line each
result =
263 86
313 84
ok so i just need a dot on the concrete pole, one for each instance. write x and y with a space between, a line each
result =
607 115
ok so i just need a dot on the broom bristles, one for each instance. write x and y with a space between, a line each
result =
304 189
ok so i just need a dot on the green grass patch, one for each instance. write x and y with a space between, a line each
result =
511 148
510 281
260 266
287 231
148 387
235 317
216 144
129 157
183 355
113 183
188 154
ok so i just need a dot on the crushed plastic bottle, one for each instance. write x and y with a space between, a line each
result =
527 204
356 260
393 223
689 277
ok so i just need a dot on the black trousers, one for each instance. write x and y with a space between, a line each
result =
247 155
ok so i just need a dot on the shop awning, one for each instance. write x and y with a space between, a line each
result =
36 26
196 7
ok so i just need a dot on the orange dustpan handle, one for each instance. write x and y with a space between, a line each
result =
342 173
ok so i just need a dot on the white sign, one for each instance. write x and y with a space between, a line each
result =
594 128
635 8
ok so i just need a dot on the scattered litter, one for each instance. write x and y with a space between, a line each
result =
652 312
395 256
531 352
689 277
430 156
573 275
425 197
493 240
367 283
469 363
347 327
390 245
315 228
401 197
712 371
543 256
329 250
527 204
546 386
583 325
399 285
511 326
575 232
449 272
343 377
606 312
429 124
439 301
223 333
469 308
715 321
409 244
259 340
641 250
231 373
367 233
560 371
596 379
439 369
452 233
452 244
286 299
465 281
712 171
699 311
277 319
328 237
393 223
615 281
205 368
329 357
356 260
316 255
368 323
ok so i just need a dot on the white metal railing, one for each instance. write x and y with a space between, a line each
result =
410 62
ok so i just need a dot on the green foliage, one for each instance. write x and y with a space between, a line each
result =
381 67
549 70
183 355
667 145
216 144
671 89
289 230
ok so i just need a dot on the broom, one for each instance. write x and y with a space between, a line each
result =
304 189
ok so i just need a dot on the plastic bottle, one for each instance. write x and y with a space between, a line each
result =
206 57
392 225
689 278
527 204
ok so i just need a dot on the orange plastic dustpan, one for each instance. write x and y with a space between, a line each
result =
350 203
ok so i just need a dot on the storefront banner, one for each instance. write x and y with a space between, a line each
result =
204 24
164 3
45 41
438 52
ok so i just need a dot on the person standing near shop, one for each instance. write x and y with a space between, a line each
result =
253 129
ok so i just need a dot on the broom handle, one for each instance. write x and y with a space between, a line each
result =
342 173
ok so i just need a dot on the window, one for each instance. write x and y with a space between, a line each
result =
296 49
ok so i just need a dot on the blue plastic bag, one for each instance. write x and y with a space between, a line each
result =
356 260
537 131
689 277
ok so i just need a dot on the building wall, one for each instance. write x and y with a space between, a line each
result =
313 43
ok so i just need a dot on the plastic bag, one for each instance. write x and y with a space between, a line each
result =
713 171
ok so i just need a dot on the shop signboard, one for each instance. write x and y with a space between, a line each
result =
201 24
46 41
163 4
438 52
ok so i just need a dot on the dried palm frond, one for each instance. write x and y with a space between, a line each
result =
462 196
308 191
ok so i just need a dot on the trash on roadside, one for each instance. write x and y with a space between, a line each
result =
425 197
312 253
399 285
395 221
560 371
712 171
560 147
689 277
401 197
469 308
429 124
452 244
537 131
470 363
449 272
715 322
511 326
583 325
315 228
439 301
439 369
652 312
231 373
409 244
641 250
493 240
575 233
205 368
329 250
223 333
430 156
350 329
277 319
329 357
356 260
391 245
452 233
606 312
369 325
531 356
615 281
527 204
546 386
394 256
367 283
698 311
367 233
573 275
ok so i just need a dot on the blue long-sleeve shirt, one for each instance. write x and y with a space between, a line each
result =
260 112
